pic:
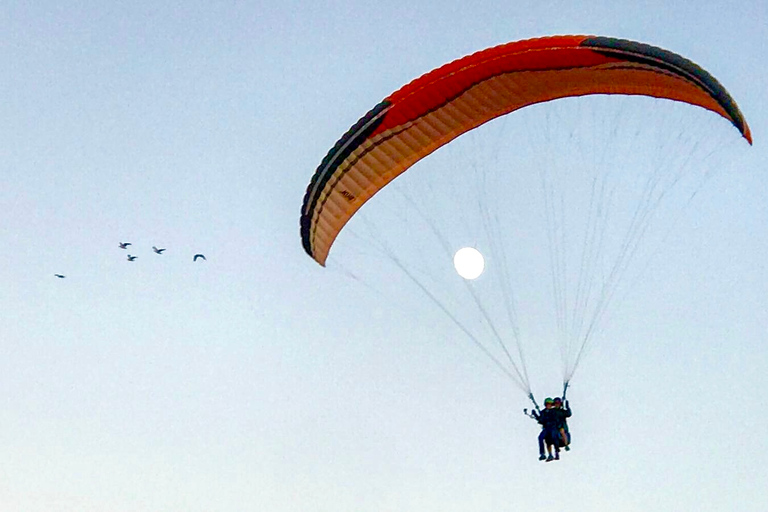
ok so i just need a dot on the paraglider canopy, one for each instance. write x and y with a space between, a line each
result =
441 105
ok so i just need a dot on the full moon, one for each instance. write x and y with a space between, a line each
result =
469 263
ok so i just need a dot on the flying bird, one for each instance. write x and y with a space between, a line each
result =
158 251
198 256
131 258
124 245
60 276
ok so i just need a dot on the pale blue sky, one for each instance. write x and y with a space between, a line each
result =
258 380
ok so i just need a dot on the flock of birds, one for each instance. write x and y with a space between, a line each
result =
124 245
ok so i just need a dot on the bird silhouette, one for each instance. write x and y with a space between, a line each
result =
131 258
158 251
60 276
124 245
198 256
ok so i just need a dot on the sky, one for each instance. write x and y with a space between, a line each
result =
258 380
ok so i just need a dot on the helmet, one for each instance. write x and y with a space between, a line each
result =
549 401
558 401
